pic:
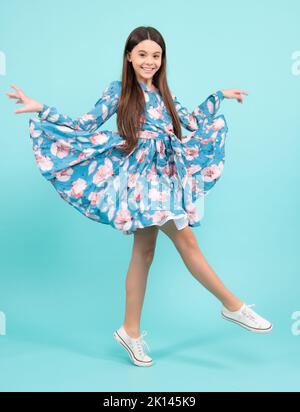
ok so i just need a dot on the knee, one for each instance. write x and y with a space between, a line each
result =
146 253
188 242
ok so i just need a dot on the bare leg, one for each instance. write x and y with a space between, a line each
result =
186 244
136 280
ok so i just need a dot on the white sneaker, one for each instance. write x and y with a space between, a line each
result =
247 318
134 347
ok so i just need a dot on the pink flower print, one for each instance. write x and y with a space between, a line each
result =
140 155
198 112
154 194
192 212
191 152
92 167
95 196
152 175
218 124
54 118
87 152
194 185
60 148
193 169
78 187
160 147
147 134
155 113
137 195
33 132
81 156
169 128
166 170
44 162
160 215
103 172
99 138
212 107
86 118
158 195
64 175
212 172
192 122
207 140
123 219
132 179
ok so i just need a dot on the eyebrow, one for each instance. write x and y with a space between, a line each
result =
146 52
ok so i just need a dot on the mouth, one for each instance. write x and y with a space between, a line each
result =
147 70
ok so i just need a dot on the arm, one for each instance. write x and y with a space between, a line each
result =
208 108
103 109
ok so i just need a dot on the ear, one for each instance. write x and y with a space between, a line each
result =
128 56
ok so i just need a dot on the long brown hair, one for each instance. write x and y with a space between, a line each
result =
132 103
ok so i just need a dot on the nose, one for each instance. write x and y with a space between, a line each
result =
149 63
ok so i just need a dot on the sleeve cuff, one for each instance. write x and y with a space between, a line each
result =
44 112
220 94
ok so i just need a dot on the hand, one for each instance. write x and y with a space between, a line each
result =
235 94
30 105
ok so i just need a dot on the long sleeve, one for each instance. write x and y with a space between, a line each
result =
208 108
103 109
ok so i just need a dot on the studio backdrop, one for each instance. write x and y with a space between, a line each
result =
62 276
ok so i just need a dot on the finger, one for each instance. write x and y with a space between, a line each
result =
14 86
17 89
11 95
20 111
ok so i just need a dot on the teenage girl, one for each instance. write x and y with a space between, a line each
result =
143 178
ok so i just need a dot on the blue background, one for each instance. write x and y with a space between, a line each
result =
63 276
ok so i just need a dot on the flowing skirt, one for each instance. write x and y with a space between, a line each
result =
163 178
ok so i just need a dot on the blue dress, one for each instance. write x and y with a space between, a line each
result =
161 179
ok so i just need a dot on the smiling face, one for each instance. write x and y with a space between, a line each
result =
146 60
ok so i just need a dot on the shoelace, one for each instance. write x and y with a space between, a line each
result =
249 313
141 343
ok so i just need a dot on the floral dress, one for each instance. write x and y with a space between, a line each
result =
161 179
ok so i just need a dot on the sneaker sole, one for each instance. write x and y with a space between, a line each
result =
255 330
134 361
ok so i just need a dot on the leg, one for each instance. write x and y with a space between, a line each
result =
141 259
186 244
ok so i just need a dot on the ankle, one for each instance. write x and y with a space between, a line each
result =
132 332
233 306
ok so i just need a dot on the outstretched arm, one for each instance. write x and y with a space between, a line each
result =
208 108
103 109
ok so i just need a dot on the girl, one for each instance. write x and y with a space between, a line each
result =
106 175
